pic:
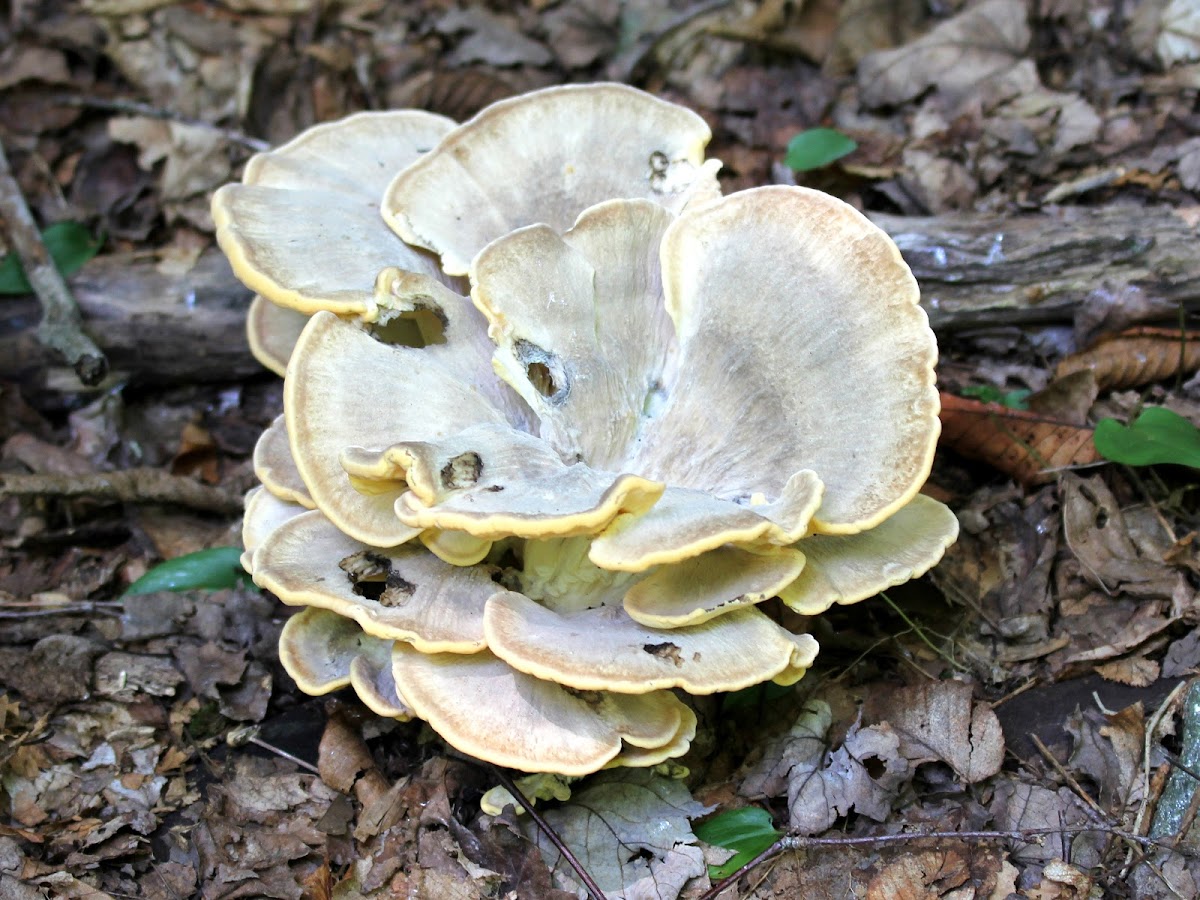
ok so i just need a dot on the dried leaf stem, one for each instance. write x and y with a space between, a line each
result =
61 327
511 787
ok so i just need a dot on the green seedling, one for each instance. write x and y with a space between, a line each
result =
816 148
989 393
212 570
70 246
1156 436
748 831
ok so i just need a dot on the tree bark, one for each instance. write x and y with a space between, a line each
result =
975 270
980 270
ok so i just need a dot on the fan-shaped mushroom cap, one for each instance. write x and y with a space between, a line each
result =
275 468
272 332
849 568
339 394
578 144
713 584
685 523
789 365
605 650
580 327
639 757
324 652
264 512
492 481
487 710
399 594
303 228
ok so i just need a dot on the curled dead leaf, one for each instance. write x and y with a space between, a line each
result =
1025 445
1136 356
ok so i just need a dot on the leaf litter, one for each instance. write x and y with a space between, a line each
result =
151 746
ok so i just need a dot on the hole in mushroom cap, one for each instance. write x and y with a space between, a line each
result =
418 327
543 370
461 471
372 578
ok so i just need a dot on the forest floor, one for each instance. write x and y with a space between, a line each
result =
1039 165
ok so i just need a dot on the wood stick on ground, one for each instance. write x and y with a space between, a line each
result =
127 486
976 270
61 327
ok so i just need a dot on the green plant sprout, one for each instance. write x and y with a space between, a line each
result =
748 831
1156 436
70 246
213 569
816 148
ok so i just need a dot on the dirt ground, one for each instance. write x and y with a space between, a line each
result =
1039 165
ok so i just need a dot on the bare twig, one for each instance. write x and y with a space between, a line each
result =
1068 778
25 611
127 486
511 787
133 108
249 735
1026 835
61 327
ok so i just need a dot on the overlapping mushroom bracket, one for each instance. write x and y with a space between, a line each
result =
559 417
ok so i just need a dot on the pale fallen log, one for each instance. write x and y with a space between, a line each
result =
978 270
975 271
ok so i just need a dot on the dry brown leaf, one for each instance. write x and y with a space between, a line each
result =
1022 444
940 722
1135 357
956 56
1137 672
950 873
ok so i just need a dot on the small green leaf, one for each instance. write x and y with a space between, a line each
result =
817 147
213 569
1156 436
747 830
70 246
989 393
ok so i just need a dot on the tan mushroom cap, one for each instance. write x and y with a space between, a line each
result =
304 229
848 568
418 598
346 390
492 481
580 327
713 584
264 512
372 679
456 548
317 647
275 468
823 363
605 650
641 757
685 523
324 652
544 157
272 332
486 709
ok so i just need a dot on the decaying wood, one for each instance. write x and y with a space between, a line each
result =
146 485
975 270
61 328
155 327
979 270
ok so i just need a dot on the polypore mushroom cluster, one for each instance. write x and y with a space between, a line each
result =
558 418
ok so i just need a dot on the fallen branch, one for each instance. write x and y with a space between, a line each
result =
127 486
61 326
1025 835
975 270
